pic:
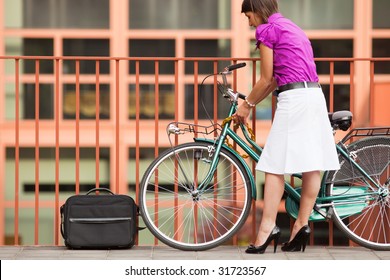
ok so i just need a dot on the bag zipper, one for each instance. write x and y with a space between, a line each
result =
99 220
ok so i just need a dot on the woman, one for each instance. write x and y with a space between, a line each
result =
300 139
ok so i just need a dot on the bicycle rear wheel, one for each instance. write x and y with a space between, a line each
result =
185 217
365 219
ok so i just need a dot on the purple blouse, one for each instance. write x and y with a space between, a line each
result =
293 53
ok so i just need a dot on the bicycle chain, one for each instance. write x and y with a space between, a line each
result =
236 125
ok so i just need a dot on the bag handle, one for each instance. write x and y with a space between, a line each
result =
99 189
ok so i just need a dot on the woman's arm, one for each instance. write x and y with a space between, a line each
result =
266 83
262 88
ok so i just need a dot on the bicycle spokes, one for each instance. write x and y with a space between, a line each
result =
186 217
361 200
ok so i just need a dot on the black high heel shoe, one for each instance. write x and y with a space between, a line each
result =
299 242
274 235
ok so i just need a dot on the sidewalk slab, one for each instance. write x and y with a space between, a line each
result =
167 253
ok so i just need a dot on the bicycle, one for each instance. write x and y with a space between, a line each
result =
197 195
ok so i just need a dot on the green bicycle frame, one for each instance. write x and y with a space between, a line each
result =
227 131
323 201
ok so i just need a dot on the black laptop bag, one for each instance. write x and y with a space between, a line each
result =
101 221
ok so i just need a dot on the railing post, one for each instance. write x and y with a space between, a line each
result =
57 152
37 97
17 135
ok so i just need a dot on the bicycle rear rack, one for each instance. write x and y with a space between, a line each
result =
183 128
366 132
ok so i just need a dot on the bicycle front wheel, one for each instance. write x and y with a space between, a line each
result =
184 216
365 216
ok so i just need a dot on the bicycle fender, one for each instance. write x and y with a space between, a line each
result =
233 152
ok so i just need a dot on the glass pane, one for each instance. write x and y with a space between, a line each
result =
206 103
13 19
333 48
87 101
166 102
57 13
206 48
152 48
319 14
381 17
46 101
180 14
86 47
380 48
83 13
30 47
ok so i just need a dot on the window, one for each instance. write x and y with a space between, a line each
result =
147 99
206 103
380 48
86 47
333 48
27 101
319 14
57 14
206 48
87 101
179 14
46 101
381 17
152 48
30 47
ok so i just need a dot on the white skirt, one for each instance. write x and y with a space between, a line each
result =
301 138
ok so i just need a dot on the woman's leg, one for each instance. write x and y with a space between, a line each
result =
311 182
273 192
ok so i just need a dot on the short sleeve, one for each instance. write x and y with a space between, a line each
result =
266 34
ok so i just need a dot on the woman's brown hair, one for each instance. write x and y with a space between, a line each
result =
264 8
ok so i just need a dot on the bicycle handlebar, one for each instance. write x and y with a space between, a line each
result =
236 66
227 71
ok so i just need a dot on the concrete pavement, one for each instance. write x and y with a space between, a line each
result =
166 253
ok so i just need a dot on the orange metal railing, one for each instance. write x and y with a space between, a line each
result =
18 133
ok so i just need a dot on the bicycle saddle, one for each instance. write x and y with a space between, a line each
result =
340 120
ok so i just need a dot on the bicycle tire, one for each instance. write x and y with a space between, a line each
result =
366 221
188 219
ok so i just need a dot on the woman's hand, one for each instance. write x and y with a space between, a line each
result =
241 114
